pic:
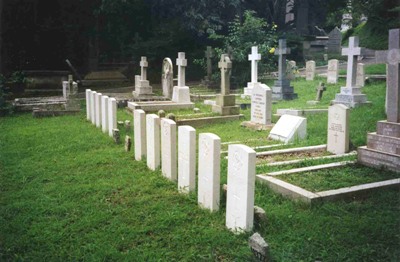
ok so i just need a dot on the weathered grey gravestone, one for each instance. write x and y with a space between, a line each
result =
310 70
333 71
167 77
335 41
290 72
320 90
360 79
383 147
142 85
259 247
209 54
282 89
338 129
254 57
350 95
225 102
70 92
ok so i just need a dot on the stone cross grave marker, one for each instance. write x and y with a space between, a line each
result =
320 90
261 104
181 62
209 171
181 92
153 141
168 149
88 107
104 114
167 77
254 57
241 184
352 52
186 159
143 68
392 58
360 78
282 51
139 126
225 65
338 129
333 71
112 115
209 54
310 70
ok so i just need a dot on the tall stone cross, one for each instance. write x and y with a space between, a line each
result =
320 90
209 55
225 65
143 64
254 57
352 52
282 51
181 62
392 58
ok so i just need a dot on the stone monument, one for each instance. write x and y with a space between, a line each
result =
254 57
350 95
334 41
225 102
282 89
181 92
167 77
333 71
310 70
209 54
142 85
383 146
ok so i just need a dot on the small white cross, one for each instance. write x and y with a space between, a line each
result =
254 57
181 62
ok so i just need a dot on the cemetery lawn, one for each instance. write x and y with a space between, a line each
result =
69 193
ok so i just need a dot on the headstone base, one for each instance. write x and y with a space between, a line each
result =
283 92
181 94
256 126
351 100
378 159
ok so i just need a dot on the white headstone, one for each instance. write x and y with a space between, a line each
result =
186 159
153 141
289 128
241 185
333 71
310 70
168 149
93 107
360 79
261 104
209 171
139 125
181 92
112 115
98 109
104 114
88 91
338 129
290 71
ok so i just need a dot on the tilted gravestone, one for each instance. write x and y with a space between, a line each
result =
186 159
225 102
383 147
289 128
282 89
350 95
241 185
333 71
209 171
167 77
310 70
338 129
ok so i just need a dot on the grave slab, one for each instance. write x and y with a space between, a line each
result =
289 128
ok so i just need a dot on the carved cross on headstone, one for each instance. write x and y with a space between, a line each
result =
392 58
254 57
282 51
320 90
209 55
352 52
181 62
225 65
143 64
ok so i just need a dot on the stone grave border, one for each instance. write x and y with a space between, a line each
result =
300 112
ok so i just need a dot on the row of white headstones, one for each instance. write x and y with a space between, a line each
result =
155 140
101 111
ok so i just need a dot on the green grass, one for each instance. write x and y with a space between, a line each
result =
68 193
373 69
334 178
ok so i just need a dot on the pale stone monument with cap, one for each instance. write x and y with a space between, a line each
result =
142 85
254 57
181 91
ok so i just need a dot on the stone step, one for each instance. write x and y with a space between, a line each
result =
382 143
378 159
388 128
